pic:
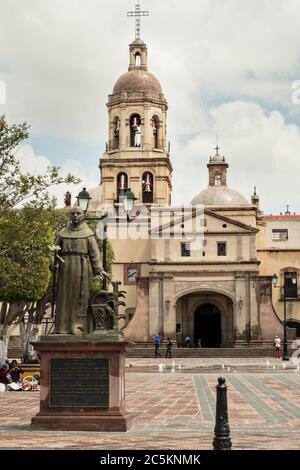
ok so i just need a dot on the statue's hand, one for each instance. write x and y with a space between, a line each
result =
102 274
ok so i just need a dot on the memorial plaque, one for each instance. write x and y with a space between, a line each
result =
79 382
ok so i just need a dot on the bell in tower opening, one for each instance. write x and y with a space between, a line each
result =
147 188
122 183
135 130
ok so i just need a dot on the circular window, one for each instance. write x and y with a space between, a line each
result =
224 225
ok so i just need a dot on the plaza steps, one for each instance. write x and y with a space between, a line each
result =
137 352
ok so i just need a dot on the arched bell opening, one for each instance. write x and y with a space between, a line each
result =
122 183
135 130
147 188
116 133
137 59
217 180
156 132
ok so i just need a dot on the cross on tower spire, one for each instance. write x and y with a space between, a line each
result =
137 14
217 148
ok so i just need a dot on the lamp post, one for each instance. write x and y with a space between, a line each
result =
83 200
285 354
127 198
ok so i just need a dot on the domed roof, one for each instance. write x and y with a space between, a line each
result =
137 80
220 196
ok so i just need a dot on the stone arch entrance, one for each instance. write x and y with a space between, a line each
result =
207 326
208 315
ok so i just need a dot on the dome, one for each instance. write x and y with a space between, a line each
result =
137 80
220 196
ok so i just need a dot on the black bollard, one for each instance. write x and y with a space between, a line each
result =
222 439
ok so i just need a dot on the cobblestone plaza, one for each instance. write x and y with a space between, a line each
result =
176 409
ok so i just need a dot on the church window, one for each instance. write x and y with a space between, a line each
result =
135 130
185 249
147 188
224 225
116 132
221 248
122 183
280 234
217 180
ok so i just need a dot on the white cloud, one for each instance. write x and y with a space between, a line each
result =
37 165
61 58
260 147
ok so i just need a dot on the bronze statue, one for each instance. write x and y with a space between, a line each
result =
104 308
78 249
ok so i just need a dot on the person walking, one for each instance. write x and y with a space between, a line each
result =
169 349
277 342
157 343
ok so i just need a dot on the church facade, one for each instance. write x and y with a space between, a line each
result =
217 289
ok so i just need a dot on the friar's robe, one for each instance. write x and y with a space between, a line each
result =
78 249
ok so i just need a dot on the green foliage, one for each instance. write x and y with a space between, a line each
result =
24 256
17 188
96 283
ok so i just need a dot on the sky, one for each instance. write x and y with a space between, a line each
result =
227 67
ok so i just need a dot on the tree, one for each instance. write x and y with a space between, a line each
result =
18 188
24 266
27 221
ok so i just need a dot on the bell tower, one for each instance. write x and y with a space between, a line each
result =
137 154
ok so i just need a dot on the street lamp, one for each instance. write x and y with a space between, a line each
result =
127 197
83 200
285 354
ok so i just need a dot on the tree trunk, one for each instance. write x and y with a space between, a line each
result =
5 334
28 334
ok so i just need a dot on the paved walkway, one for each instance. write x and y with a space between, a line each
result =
175 410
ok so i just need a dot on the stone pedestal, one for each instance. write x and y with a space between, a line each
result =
82 384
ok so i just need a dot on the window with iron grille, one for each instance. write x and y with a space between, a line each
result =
280 234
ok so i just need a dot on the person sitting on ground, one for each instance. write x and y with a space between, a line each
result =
15 371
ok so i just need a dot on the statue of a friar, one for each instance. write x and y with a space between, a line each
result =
78 249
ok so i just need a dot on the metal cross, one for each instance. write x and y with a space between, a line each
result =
138 13
217 148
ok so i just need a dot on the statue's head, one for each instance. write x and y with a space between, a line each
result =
77 215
